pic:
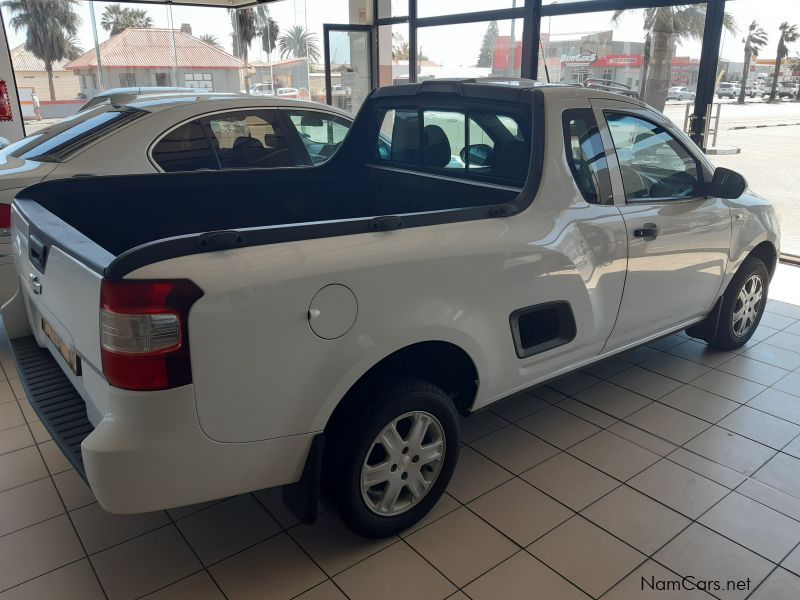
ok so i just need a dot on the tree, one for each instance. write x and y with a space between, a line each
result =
399 47
665 26
298 43
211 40
50 29
486 53
756 39
268 29
117 19
245 30
789 34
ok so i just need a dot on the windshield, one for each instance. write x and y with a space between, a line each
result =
58 142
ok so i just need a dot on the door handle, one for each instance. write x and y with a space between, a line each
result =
647 231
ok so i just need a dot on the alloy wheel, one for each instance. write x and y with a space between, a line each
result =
748 305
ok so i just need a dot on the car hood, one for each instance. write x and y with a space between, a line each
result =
18 173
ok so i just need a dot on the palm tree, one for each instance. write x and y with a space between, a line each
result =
210 39
268 29
665 27
116 19
789 35
298 43
756 39
50 29
245 30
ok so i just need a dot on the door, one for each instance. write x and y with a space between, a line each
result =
348 65
678 239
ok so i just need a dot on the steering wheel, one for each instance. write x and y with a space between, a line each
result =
633 183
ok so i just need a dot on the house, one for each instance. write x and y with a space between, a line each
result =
158 57
30 73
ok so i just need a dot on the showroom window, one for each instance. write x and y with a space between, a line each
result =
586 156
652 162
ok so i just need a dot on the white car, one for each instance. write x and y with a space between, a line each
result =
680 93
167 132
728 90
189 336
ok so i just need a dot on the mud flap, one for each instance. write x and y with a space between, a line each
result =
707 328
302 497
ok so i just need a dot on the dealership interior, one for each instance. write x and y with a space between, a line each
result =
668 470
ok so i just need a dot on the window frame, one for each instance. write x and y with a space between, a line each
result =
699 166
606 187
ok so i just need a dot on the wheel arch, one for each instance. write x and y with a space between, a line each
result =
767 253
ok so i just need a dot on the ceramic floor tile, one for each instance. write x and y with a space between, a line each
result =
707 468
613 399
462 546
586 412
396 572
523 577
652 581
558 427
36 550
679 488
546 393
199 586
787 309
776 321
514 449
792 562
761 427
647 383
334 547
326 590
728 386
272 499
6 393
28 504
520 511
445 505
700 403
276 568
638 354
474 475
668 423
227 527
702 353
75 581
607 368
20 467
636 519
730 449
100 529
706 555
793 447
570 481
15 438
73 490
780 585
480 424
769 496
10 413
642 438
779 404
518 406
586 555
666 342
16 387
770 354
790 383
786 340
54 458
145 564
573 383
754 370
783 473
675 367
753 525
614 455
40 433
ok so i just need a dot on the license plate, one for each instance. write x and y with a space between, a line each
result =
69 355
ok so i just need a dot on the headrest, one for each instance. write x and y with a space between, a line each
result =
435 147
511 161
247 142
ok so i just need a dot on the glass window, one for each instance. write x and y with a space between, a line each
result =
435 8
392 8
393 53
652 162
186 148
443 140
586 156
127 80
249 140
320 133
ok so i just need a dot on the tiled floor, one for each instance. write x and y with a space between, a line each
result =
664 462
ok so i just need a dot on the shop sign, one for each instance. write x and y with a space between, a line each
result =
578 59
619 60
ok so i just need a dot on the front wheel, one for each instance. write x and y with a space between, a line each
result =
742 305
393 457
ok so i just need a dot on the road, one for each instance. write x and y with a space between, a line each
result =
752 112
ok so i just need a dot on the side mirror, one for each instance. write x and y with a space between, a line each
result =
726 184
4 142
480 155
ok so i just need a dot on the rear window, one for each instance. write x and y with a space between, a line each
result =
59 142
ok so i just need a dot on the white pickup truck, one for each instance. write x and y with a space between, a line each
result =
186 337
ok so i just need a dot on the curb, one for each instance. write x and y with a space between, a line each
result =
761 126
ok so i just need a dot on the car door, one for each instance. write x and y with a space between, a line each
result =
678 238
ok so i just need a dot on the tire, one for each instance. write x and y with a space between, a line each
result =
731 333
354 446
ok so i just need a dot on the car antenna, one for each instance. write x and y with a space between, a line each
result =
544 61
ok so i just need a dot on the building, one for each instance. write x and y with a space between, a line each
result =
158 57
30 72
684 71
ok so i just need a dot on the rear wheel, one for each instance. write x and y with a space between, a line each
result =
742 305
392 456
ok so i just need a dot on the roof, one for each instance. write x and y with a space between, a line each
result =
23 60
152 48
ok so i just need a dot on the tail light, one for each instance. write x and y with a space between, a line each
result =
5 216
144 335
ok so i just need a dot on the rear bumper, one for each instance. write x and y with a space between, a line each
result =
148 451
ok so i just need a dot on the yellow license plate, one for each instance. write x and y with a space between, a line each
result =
69 355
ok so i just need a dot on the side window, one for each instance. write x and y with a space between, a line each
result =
586 156
467 144
320 133
652 162
249 140
185 148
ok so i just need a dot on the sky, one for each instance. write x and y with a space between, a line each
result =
453 45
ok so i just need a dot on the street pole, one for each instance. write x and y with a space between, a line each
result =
100 79
513 43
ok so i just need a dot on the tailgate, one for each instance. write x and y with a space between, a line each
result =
61 293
